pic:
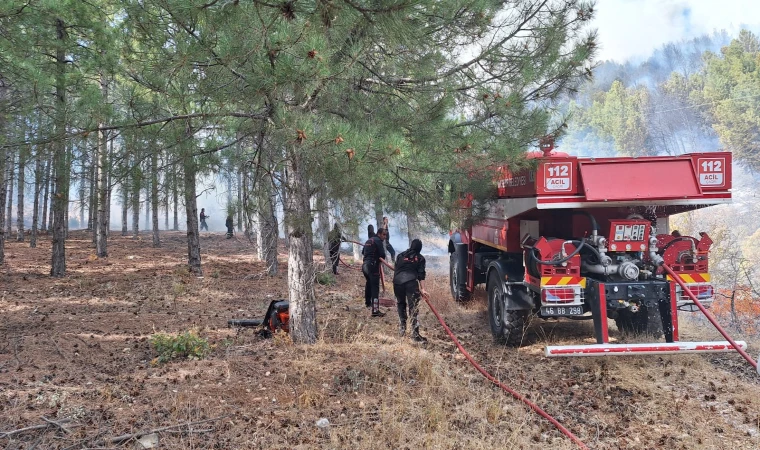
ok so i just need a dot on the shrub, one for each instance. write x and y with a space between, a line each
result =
326 278
186 345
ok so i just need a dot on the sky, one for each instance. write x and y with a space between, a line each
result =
632 29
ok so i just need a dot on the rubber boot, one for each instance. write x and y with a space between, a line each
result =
416 337
401 319
376 308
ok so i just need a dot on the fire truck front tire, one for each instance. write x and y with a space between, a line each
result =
456 279
507 325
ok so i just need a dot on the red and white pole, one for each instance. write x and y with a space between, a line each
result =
709 316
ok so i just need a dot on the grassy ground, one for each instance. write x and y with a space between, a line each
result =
78 349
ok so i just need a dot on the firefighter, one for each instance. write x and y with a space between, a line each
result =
374 256
334 238
230 227
408 285
203 218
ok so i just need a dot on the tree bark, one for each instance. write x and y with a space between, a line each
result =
37 190
3 184
378 208
154 195
323 222
175 198
46 195
10 170
239 201
189 169
303 313
22 157
52 192
136 181
60 160
124 209
101 227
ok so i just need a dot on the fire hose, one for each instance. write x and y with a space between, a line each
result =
707 314
498 383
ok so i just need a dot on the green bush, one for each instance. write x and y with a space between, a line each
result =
186 345
326 278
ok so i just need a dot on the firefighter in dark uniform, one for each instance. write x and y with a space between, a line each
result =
374 256
334 238
408 285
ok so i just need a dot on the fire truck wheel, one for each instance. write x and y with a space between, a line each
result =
645 321
507 325
458 286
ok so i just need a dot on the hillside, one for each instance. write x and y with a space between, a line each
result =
78 349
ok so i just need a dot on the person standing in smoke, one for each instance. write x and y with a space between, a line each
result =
230 226
371 231
203 218
408 285
374 256
334 238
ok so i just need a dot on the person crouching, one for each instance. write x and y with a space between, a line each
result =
408 284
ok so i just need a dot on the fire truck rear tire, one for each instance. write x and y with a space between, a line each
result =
456 282
507 325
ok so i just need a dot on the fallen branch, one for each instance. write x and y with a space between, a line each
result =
53 422
127 437
50 423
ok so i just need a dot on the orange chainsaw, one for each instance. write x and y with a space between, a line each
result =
276 318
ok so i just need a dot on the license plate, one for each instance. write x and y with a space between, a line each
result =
562 310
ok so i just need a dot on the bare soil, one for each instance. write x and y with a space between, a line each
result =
77 369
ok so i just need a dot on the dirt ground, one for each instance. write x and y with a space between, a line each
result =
77 369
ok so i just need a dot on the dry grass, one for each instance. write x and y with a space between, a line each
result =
78 348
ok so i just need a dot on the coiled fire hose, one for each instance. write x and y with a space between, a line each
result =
498 383
707 314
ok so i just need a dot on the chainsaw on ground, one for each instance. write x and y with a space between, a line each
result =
276 318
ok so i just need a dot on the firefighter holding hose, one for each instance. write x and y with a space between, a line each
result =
408 285
374 256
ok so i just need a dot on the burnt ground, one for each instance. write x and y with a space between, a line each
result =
77 369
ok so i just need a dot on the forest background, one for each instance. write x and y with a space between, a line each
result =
340 111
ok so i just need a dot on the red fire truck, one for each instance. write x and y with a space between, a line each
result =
586 238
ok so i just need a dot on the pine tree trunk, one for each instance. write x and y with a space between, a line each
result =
303 314
22 157
378 208
101 226
154 196
175 198
412 226
82 191
284 196
267 229
240 202
52 193
323 223
148 202
135 204
191 207
250 216
37 190
61 191
357 249
11 175
92 211
267 226
124 209
3 184
46 195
